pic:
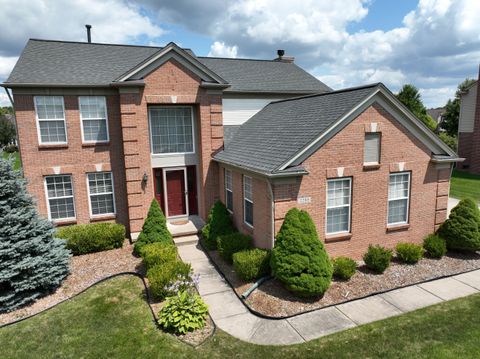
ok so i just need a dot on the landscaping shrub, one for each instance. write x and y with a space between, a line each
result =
461 231
158 253
377 258
229 244
252 264
435 247
183 313
32 261
154 229
218 224
11 148
162 278
299 259
344 267
95 237
409 252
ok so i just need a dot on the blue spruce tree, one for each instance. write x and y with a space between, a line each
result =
32 262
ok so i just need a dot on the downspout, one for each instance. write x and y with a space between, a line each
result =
270 192
16 127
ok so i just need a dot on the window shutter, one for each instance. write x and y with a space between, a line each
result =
371 152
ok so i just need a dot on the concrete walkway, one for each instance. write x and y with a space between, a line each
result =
230 315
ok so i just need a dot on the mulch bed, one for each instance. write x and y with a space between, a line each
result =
85 270
272 299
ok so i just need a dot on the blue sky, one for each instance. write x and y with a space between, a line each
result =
433 44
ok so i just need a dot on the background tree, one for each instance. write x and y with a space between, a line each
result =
410 97
32 262
452 110
7 131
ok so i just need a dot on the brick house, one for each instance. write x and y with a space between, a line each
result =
103 129
469 129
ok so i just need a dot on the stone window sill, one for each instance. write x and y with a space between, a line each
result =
95 144
64 222
398 227
371 166
105 217
338 237
53 146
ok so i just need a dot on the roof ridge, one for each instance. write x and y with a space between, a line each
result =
348 89
101 43
240 58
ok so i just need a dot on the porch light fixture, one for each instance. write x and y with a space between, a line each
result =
144 178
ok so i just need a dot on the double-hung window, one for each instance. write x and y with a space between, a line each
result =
398 198
371 151
60 198
171 130
93 117
339 199
248 200
228 190
50 113
101 196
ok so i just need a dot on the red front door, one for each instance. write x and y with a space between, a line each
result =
177 205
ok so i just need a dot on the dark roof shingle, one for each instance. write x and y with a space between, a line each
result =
283 128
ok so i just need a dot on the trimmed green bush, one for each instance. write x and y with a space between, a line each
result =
435 246
154 229
162 278
252 264
461 230
95 237
158 253
183 313
229 244
409 252
344 267
299 259
377 258
218 224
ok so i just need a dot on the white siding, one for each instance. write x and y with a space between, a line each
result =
467 110
238 110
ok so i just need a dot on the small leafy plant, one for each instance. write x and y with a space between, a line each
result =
435 246
377 258
183 313
409 253
252 264
344 267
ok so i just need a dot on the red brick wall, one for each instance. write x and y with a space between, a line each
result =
370 188
475 154
75 158
262 207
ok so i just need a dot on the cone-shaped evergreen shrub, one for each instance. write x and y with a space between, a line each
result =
218 224
299 259
32 262
462 230
154 229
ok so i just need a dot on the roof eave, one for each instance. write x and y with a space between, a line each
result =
262 173
447 160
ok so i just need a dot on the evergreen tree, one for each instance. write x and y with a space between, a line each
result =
154 229
32 262
299 259
218 224
411 98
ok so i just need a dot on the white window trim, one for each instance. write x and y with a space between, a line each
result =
349 179
248 200
48 199
151 137
103 193
37 122
86 119
228 189
395 199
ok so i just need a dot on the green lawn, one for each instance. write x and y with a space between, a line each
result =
112 320
16 156
464 185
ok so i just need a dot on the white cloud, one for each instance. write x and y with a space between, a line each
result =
4 100
219 49
6 65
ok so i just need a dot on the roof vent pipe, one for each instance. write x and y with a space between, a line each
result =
282 58
280 53
89 36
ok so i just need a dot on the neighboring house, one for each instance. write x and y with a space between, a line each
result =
436 114
103 129
469 128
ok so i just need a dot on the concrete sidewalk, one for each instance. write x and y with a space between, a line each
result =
230 315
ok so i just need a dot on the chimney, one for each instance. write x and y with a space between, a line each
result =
89 36
282 58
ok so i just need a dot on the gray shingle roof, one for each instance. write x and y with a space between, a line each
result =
79 63
246 75
283 128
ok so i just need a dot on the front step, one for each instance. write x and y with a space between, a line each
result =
186 240
192 227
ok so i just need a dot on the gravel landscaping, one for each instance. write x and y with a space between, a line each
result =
272 299
85 270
